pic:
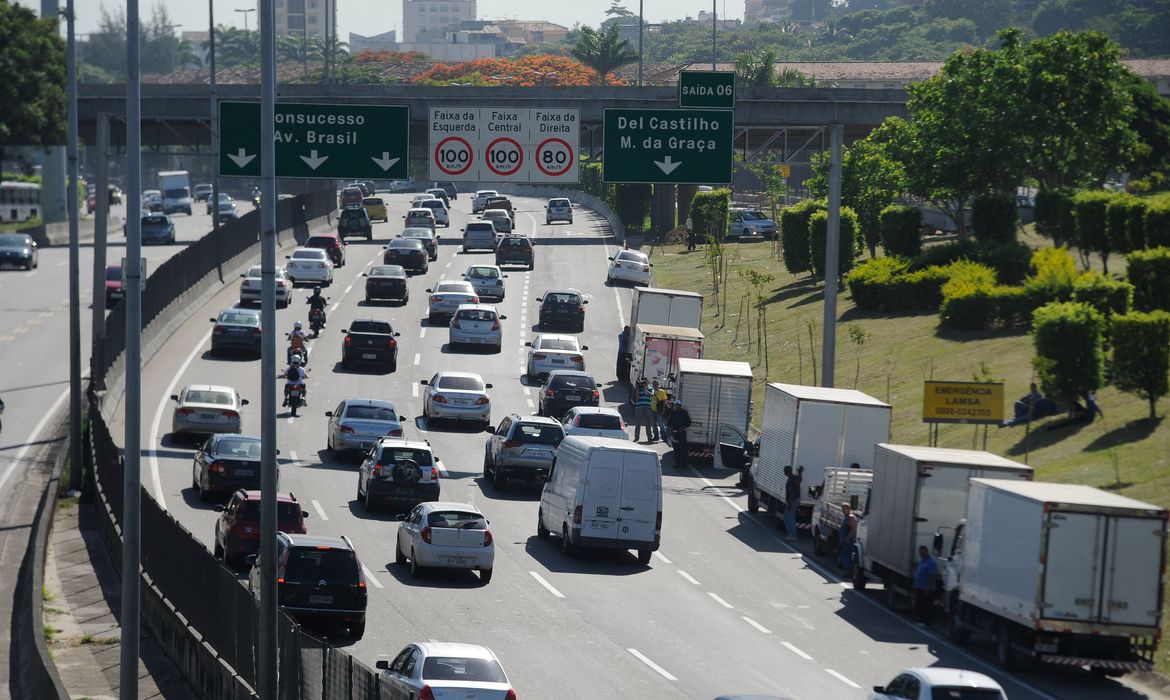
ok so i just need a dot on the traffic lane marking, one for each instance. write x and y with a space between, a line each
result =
319 509
719 600
155 478
33 437
658 669
690 579
370 576
796 650
547 586
842 678
757 625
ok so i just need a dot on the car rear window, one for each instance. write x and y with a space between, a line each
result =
321 242
599 421
476 315
352 192
219 398
113 274
484 227
456 518
236 318
372 201
945 693
573 382
558 344
316 564
488 272
288 515
387 271
538 434
515 242
461 383
561 299
154 221
461 287
370 327
238 448
454 668
359 214
631 255
411 243
371 412
314 254
394 455
558 202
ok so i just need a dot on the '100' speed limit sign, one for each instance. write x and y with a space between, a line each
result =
454 156
503 144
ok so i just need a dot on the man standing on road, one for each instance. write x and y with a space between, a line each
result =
924 576
623 356
678 420
643 415
848 535
792 500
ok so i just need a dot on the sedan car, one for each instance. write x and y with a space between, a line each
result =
480 198
447 296
370 340
565 389
499 219
152 200
223 197
476 324
205 409
236 329
750 223
114 292
225 463
458 396
522 447
398 473
309 265
549 352
440 193
386 282
515 250
409 253
227 210
446 670
19 250
487 280
429 238
596 421
330 243
629 266
939 684
237 529
558 209
438 208
419 216
158 228
355 221
562 307
250 288
203 192
356 424
446 535
375 208
351 195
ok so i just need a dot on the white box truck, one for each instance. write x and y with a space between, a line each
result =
843 485
814 427
665 307
917 491
656 351
176 191
716 393
1060 574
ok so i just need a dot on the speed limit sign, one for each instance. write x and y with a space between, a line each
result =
504 156
454 156
554 157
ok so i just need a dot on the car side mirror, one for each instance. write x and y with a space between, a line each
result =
397 333
437 236
382 664
401 418
345 330
365 274
174 397
424 382
528 344
489 386
584 347
598 386
540 298
503 318
504 276
430 291
288 257
251 559
586 301
611 257
218 509
328 414
400 517
304 513
243 402
877 688
211 319
243 275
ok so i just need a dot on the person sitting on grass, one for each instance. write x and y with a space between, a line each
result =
1081 414
1031 406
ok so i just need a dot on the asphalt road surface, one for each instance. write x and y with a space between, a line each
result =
724 607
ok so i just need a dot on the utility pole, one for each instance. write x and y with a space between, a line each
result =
641 24
832 249
53 207
97 354
714 18
74 256
214 116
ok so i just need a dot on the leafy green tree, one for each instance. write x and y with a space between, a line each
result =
1151 123
235 47
988 15
792 78
810 9
619 15
767 170
756 69
604 51
32 92
1141 355
1068 360
870 181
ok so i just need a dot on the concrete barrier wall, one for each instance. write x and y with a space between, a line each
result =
57 234
548 191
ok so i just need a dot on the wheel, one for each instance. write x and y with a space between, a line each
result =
567 547
393 366
399 557
369 502
370 236
548 222
485 576
541 531
487 466
358 497
294 408
958 631
892 597
643 556
415 569
203 493
858 576
531 266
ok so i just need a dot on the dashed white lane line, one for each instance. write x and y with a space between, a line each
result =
422 332
370 576
658 669
292 458
414 390
448 264
33 437
757 625
841 678
796 650
417 358
690 579
662 558
547 586
320 511
719 600
289 420
162 404
335 305
348 289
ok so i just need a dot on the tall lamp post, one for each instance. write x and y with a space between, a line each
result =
245 13
641 24
714 17
214 114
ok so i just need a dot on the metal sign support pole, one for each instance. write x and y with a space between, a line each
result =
101 217
832 266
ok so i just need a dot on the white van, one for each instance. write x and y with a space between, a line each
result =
603 493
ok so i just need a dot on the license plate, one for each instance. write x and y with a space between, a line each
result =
321 599
245 472
207 416
455 561
558 362
572 398
404 491
369 356
598 525
537 453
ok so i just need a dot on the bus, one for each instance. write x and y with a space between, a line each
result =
19 201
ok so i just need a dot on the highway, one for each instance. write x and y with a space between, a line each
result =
724 607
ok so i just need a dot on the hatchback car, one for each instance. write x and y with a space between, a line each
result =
159 229
409 253
447 296
225 463
250 288
386 282
331 244
487 280
419 216
354 221
398 473
309 265
445 670
450 188
370 340
429 238
596 421
566 389
210 206
480 198
629 266
522 447
499 219
515 250
549 352
446 535
236 329
939 684
562 307
152 200
351 195
113 285
501 202
320 580
476 324
440 193
458 396
227 210
479 235
375 208
558 209
438 208
204 409
237 529
203 192
750 223
356 424
18 250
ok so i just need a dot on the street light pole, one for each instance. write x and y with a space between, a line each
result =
641 23
74 257
245 13
714 17
214 116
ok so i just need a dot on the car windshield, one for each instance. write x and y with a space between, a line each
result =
218 398
360 412
372 201
457 519
631 255
13 240
572 381
599 421
556 298
460 383
460 287
308 255
239 318
394 455
753 216
487 272
557 344
320 242
238 448
177 193
558 202
455 668
476 315
113 274
539 434
288 515
387 271
371 327
337 566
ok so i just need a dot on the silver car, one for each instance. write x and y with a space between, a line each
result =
447 296
487 280
458 396
450 670
549 352
522 447
481 198
356 424
203 409
499 219
476 324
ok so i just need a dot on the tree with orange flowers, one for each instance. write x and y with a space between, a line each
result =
528 71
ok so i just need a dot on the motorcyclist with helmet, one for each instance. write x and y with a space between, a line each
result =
317 302
295 376
296 343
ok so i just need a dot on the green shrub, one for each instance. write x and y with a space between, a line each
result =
1107 296
589 176
818 226
794 234
1092 223
1054 216
1011 261
995 218
1149 273
1013 306
1067 338
983 308
869 283
1053 273
901 230
1125 220
1141 355
946 254
964 295
709 213
631 203
1157 224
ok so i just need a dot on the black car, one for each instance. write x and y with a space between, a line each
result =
386 282
224 463
354 221
565 389
236 329
319 578
429 238
370 340
410 253
515 250
18 250
449 188
398 473
562 307
158 228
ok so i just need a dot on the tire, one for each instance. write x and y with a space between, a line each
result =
499 481
753 501
219 552
393 365
858 576
959 632
203 494
399 557
368 501
818 545
485 576
358 629
359 497
567 547
293 407
334 453
415 570
892 597
541 531
644 556
487 466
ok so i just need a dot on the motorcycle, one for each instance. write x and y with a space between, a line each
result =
316 321
295 398
256 198
303 351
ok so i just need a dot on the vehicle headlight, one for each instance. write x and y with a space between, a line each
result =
25 251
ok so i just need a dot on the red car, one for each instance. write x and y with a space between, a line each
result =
113 285
351 196
330 243
90 203
237 531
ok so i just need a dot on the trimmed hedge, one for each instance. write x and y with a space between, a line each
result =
1157 224
1011 261
794 245
631 203
1108 297
946 254
1092 223
1054 215
818 226
1053 273
901 230
995 218
1149 273
709 214
1141 355
1068 361
983 308
1125 220
889 284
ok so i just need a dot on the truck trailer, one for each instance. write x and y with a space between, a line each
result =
716 393
656 351
665 307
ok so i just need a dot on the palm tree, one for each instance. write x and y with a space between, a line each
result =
756 70
604 51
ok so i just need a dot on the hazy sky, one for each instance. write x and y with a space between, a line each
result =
375 16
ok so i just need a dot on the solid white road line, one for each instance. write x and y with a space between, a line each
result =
348 289
795 650
370 577
660 556
32 438
688 577
661 671
548 586
617 298
319 509
334 307
162 404
841 678
757 625
722 602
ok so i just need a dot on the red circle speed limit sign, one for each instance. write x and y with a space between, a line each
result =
554 157
453 155
504 156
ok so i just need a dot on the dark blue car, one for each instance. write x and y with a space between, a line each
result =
158 228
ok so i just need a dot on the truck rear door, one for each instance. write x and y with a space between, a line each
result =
1133 570
1072 575
640 489
601 504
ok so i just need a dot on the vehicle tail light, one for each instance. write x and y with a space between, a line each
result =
321 265
511 695
393 342
336 244
426 693
645 268
184 412
577 515
426 534
512 443
216 467
255 331
576 358
539 356
436 298
397 432
487 537
581 310
596 395
455 323
376 470
481 401
345 429
434 473
658 521
549 393
279 580
439 398
230 415
473 300
218 330
499 283
496 325
280 283
348 341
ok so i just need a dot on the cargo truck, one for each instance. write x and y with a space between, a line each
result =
817 428
716 393
916 492
176 191
842 486
665 307
1059 574
656 350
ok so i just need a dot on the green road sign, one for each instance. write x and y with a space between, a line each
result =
317 141
706 89
690 146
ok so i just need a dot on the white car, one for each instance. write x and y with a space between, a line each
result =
309 265
438 208
476 324
549 352
481 196
419 216
487 280
447 296
595 421
558 209
939 684
250 287
446 535
445 670
499 219
203 409
629 266
458 396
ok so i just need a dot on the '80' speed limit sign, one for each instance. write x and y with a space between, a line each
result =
554 157
504 144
